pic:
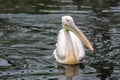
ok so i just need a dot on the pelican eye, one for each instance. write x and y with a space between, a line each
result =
67 20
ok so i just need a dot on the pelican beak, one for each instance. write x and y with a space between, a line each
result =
82 37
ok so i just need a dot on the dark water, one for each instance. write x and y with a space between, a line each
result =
28 34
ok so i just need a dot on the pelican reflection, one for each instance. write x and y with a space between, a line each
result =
72 70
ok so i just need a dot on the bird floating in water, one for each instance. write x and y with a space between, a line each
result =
69 48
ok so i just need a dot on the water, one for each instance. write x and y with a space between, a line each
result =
28 34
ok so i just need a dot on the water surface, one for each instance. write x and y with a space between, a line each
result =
28 34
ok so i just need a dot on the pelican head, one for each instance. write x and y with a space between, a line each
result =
67 20
69 25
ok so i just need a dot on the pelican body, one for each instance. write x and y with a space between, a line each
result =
69 48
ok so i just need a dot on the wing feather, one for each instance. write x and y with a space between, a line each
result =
78 46
61 49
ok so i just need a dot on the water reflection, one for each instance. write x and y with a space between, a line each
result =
72 71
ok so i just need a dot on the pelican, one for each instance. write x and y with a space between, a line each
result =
69 48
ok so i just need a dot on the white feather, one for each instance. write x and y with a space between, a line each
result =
61 49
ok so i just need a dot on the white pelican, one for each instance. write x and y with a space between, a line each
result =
69 48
